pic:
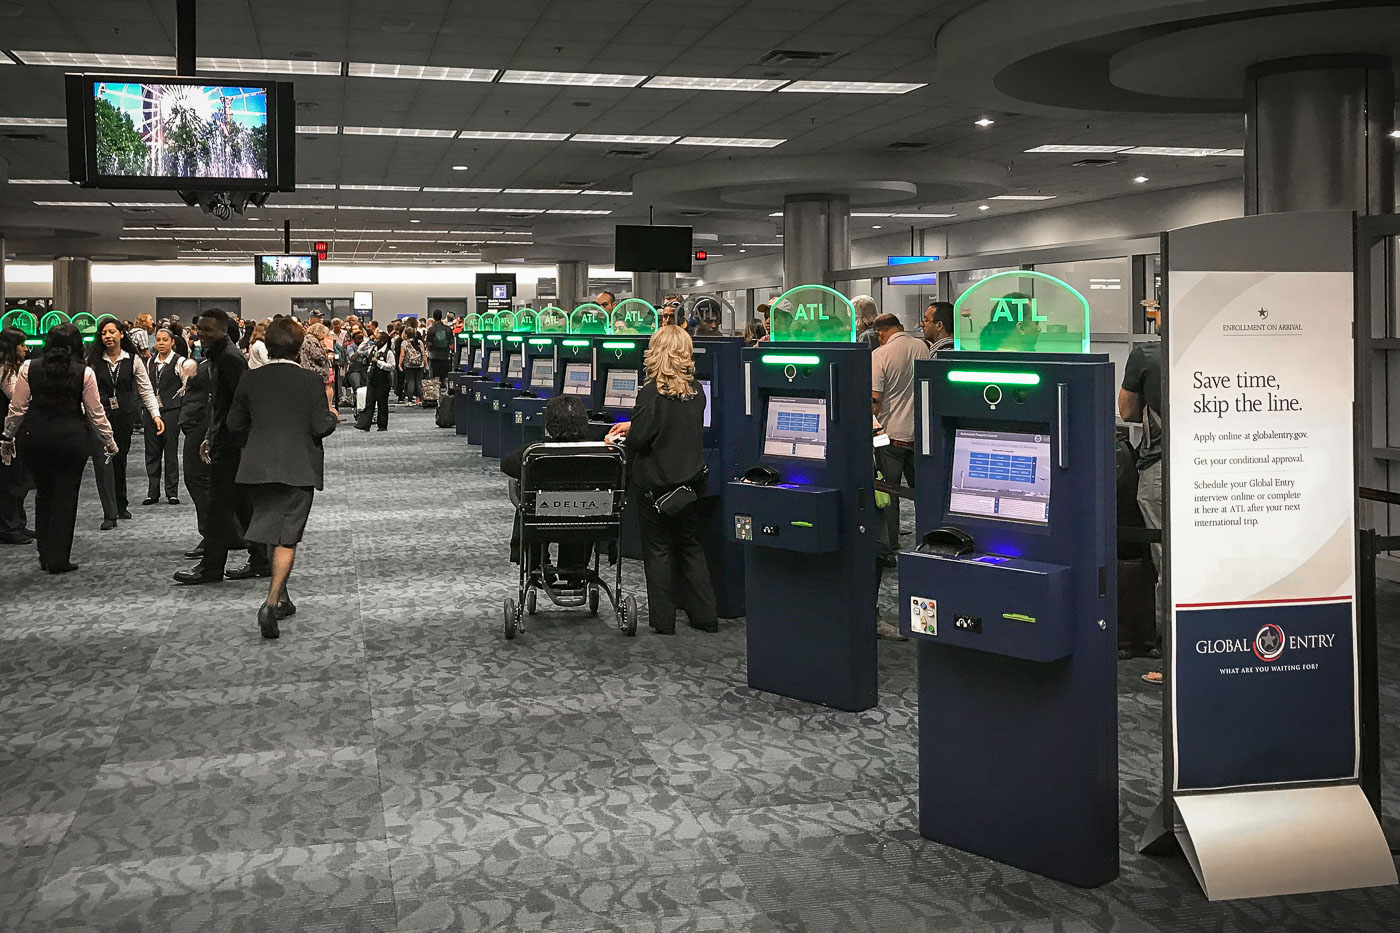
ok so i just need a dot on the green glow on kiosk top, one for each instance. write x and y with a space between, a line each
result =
538 341
575 343
812 313
619 344
514 338
551 320
590 318
634 316
988 377
791 359
1022 311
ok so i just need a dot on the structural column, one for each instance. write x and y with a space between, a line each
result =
1317 135
571 283
816 237
650 286
72 285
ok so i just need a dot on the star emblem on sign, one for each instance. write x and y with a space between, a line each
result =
1263 313
1268 640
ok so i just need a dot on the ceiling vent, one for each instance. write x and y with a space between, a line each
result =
796 58
627 153
1093 163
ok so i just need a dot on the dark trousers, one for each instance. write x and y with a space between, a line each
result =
230 510
894 463
162 449
111 477
675 564
14 486
413 383
63 446
399 384
197 479
376 398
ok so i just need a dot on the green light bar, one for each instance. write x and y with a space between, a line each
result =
575 343
791 359
34 342
514 339
476 336
989 377
537 341
619 345
495 337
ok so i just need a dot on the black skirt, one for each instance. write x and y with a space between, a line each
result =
279 513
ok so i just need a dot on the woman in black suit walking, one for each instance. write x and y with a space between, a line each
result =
283 409
54 402
664 441
124 386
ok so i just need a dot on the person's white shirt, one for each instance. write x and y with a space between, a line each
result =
257 354
143 381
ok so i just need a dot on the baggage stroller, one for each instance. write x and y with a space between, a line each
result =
570 494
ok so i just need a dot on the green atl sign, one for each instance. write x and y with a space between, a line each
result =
812 313
633 316
1022 311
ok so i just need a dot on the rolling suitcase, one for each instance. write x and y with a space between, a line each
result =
432 390
446 415
1137 617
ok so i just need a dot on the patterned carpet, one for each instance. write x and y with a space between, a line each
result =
393 764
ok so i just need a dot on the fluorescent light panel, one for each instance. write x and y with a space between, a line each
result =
1182 151
74 203
398 131
571 78
609 194
319 130
511 135
678 83
288 66
39 181
569 211
736 141
98 60
1087 150
618 138
509 210
446 210
541 190
378 187
420 72
849 87
302 185
1023 197
463 190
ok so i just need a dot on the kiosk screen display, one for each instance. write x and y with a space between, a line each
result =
577 379
1000 474
476 360
516 369
542 373
493 361
705 387
796 428
621 389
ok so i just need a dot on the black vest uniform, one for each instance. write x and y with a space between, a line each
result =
118 383
167 383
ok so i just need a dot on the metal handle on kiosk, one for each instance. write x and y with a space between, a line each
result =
1062 425
748 388
925 441
831 406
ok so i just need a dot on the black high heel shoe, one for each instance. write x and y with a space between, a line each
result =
285 608
61 568
267 621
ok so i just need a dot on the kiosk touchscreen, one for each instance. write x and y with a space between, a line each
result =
796 427
578 379
620 391
493 362
515 368
542 373
478 358
1010 593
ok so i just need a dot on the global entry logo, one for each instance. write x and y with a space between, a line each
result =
1269 642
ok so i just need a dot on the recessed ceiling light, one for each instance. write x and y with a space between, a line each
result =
1083 149
675 82
571 78
984 122
460 168
612 138
398 131
741 142
1141 178
269 66
414 220
983 207
421 72
528 137
1023 197
100 60
1183 151
464 190
872 227
849 87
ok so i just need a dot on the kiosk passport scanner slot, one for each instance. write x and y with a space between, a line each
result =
803 509
1010 600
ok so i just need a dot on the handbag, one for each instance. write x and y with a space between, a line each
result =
682 497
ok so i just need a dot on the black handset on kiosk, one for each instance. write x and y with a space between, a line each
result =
947 541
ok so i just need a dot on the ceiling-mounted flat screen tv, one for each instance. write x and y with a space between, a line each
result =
279 269
182 134
640 248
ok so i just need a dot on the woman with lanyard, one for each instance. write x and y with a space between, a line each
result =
381 375
54 412
124 387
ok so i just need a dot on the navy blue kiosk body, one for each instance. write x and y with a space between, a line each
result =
1011 597
481 426
717 369
525 421
496 415
618 374
809 538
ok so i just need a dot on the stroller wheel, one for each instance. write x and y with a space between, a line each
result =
627 617
530 602
511 626
592 600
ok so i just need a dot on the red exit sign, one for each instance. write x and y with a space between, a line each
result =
701 255
322 248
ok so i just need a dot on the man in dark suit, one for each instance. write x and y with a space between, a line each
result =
283 410
229 506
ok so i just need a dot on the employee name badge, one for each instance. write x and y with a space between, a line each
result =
113 403
923 615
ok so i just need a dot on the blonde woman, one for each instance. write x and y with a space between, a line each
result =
257 345
666 470
325 364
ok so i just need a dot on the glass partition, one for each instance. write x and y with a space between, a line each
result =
505 321
490 322
1106 283
53 319
633 316
471 323
589 318
812 313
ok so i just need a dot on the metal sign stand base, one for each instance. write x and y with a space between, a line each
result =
1266 843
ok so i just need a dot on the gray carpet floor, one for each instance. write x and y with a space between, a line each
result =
393 764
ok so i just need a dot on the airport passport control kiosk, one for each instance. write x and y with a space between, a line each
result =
1010 592
717 369
804 506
